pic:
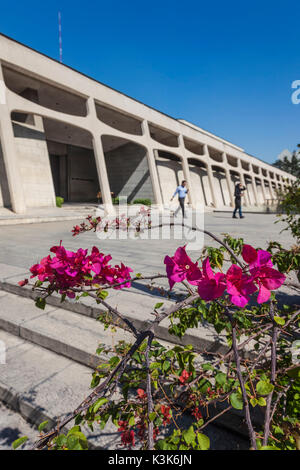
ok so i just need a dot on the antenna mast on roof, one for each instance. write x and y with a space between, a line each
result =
60 40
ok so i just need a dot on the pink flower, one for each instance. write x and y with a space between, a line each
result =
263 274
180 267
239 286
210 286
68 270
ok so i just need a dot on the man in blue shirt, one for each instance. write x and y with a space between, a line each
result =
182 191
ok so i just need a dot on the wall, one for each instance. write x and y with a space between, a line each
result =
128 172
4 190
33 161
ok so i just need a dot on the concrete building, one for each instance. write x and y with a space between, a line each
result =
65 134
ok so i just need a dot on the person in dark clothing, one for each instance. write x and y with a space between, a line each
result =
238 193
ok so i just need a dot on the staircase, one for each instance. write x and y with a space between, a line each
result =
50 355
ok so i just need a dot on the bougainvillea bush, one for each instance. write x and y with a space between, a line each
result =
161 397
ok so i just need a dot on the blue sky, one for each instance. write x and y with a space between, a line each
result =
225 66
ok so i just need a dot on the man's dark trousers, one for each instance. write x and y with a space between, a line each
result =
238 206
181 202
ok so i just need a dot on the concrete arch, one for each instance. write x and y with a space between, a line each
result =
48 95
118 120
163 136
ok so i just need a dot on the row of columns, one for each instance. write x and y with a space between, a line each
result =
14 177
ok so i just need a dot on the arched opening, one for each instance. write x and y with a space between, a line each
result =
118 120
268 192
127 168
220 186
259 191
55 159
170 173
200 182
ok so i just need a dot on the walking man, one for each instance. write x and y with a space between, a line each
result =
182 191
238 193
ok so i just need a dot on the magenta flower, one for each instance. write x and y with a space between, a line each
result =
210 286
262 272
68 270
180 267
239 286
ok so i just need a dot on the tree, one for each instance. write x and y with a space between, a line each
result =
290 164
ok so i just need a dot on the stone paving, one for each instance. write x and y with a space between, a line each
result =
23 245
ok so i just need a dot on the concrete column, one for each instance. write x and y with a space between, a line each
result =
263 187
254 189
9 151
210 175
228 179
246 198
102 174
99 157
272 192
229 185
186 172
152 167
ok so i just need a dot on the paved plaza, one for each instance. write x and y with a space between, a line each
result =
23 245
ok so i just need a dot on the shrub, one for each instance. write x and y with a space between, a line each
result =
59 201
146 202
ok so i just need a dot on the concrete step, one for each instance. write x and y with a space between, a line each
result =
59 330
41 385
133 303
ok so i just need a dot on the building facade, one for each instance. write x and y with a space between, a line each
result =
65 134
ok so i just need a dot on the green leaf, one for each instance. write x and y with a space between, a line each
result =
40 303
152 416
269 448
131 421
189 435
99 403
294 373
236 401
158 305
77 441
18 442
261 401
203 440
264 388
279 320
42 425
253 401
221 378
61 440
